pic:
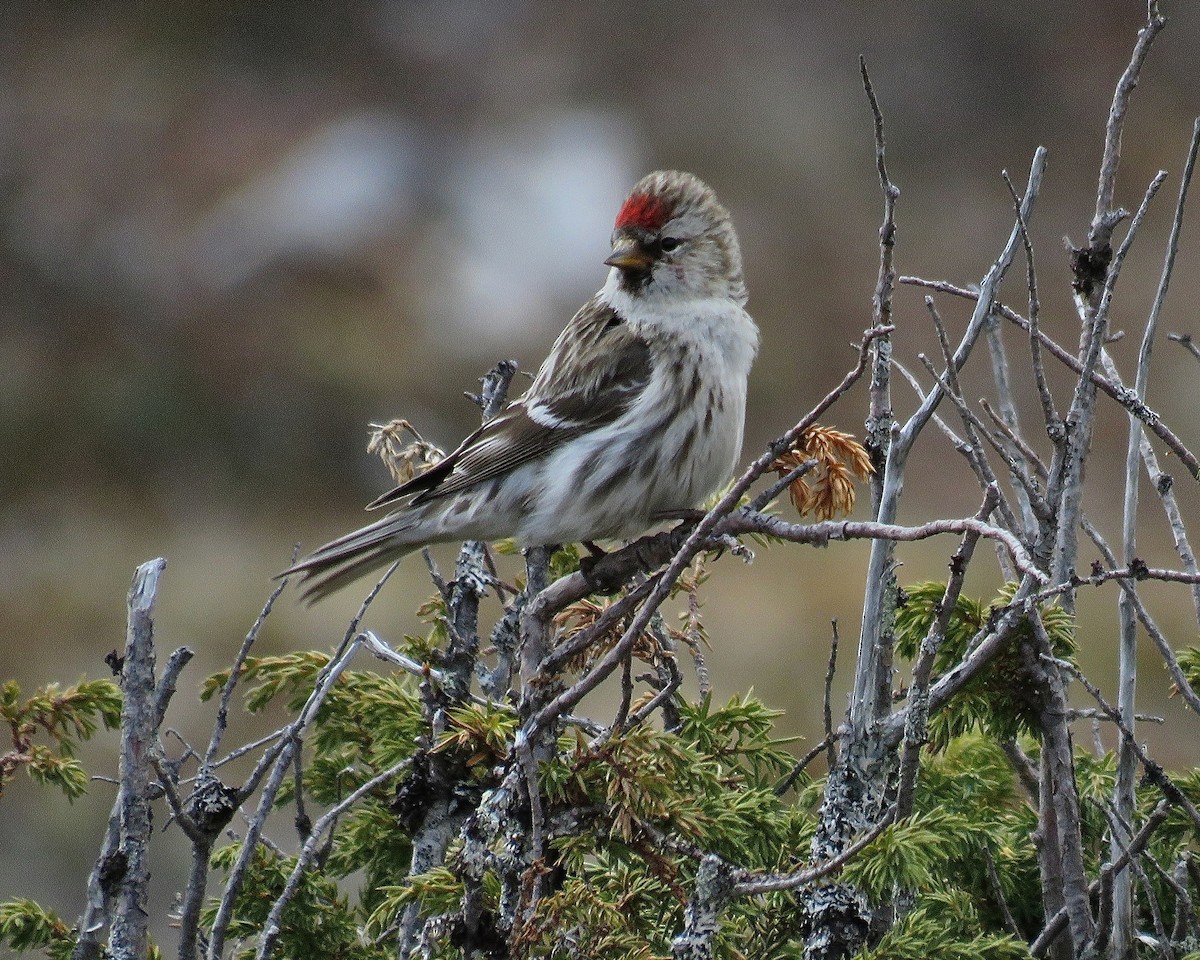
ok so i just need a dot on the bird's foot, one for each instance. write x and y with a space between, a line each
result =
599 579
688 516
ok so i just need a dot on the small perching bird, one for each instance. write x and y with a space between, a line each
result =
637 412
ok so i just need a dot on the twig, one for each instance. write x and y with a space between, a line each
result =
311 846
283 750
821 533
1185 340
1010 923
1091 713
246 748
958 442
771 883
1123 790
763 500
1126 583
619 721
350 637
1103 221
1154 772
974 428
692 635
1057 923
916 727
830 668
165 688
1114 389
1059 767
663 695
1165 488
1023 767
871 688
1138 571
987 642
235 670
1065 491
1118 830
1049 412
976 456
788 781
881 419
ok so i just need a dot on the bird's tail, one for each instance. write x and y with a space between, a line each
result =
357 554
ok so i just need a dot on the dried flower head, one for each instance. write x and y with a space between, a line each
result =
403 460
583 615
827 490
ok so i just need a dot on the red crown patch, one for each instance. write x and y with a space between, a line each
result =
642 210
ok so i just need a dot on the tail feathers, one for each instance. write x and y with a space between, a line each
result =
355 555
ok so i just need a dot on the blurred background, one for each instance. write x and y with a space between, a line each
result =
231 235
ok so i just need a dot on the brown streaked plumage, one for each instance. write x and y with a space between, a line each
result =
620 423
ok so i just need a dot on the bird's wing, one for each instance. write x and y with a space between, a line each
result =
595 372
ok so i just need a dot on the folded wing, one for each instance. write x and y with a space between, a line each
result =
576 390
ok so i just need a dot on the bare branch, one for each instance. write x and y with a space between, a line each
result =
129 934
1185 340
235 670
1058 922
1113 388
311 846
821 533
1049 412
880 420
871 692
1103 221
916 727
771 883
1065 491
1059 766
828 706
282 752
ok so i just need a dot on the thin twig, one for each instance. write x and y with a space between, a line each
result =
1113 388
822 533
1065 490
1185 340
788 781
235 671
1049 412
916 728
881 419
283 752
830 668
772 883
1057 923
1010 923
1118 830
311 846
870 695
1154 772
1103 221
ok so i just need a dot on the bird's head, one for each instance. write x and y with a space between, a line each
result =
672 237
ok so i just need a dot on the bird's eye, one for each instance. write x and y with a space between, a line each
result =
669 243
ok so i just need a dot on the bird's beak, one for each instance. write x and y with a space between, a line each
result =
629 254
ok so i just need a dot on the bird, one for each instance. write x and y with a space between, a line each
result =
637 412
